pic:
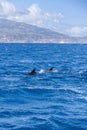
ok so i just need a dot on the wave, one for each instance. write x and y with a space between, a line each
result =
72 90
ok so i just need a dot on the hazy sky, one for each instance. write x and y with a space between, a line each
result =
65 16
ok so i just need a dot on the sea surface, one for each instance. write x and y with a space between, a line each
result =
48 100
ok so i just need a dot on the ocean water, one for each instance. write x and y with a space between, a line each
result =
45 101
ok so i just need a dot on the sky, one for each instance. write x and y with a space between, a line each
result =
64 16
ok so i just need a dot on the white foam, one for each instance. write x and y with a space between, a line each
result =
26 61
42 71
11 79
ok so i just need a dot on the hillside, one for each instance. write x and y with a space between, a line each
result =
11 31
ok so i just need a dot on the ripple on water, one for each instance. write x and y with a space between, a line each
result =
46 101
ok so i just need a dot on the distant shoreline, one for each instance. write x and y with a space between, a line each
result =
36 43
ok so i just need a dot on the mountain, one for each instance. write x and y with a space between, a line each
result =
17 32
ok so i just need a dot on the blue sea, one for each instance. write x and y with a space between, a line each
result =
48 100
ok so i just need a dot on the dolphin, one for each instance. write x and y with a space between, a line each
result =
33 72
50 70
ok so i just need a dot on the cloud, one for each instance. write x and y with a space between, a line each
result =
34 11
36 16
32 15
6 8
77 31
